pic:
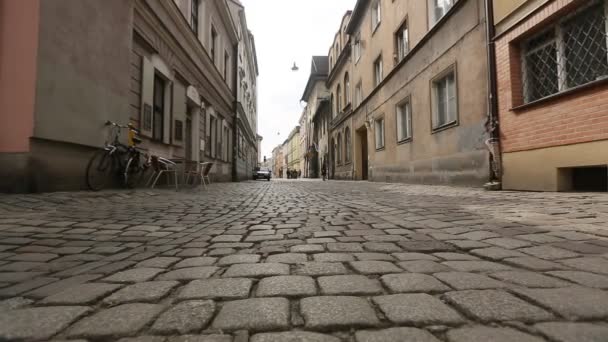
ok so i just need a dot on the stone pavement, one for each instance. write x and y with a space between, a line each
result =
304 261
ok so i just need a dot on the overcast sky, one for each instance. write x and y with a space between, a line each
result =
288 31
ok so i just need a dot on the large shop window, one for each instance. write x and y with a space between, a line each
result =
570 53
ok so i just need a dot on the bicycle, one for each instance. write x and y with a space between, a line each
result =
125 162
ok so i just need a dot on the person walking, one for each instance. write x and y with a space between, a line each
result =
324 170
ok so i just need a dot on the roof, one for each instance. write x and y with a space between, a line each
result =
319 69
356 16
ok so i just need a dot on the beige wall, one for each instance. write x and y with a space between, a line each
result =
537 170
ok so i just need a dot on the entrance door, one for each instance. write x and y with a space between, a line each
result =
189 137
363 155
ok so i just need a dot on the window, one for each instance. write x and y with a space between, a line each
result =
347 144
179 129
379 131
358 95
194 16
571 53
158 116
331 105
331 62
378 71
339 99
357 48
402 43
339 149
226 64
376 14
346 89
439 8
445 106
213 42
404 121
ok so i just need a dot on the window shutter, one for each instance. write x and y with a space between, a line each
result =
147 97
179 113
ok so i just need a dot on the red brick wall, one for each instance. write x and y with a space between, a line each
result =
581 116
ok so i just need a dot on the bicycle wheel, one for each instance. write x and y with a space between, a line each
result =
99 170
134 171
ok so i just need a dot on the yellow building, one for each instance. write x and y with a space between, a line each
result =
293 150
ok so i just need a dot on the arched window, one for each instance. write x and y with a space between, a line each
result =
331 105
347 148
339 149
346 89
338 99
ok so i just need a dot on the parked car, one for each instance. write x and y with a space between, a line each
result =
262 173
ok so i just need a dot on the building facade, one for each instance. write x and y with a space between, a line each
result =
277 160
398 81
168 67
316 95
552 80
292 151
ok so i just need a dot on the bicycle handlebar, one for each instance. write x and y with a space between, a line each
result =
111 123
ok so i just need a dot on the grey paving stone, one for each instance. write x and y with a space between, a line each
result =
423 266
595 265
384 247
38 323
455 256
158 262
573 332
534 264
10 291
508 243
287 258
14 303
143 338
229 288
414 256
321 268
476 266
239 259
15 277
426 246
490 334
227 238
286 286
374 267
373 256
479 235
33 257
185 317
468 281
496 305
548 252
329 312
583 278
417 308
412 282
119 321
294 336
574 303
256 270
134 275
20 266
257 314
539 238
81 294
349 285
145 292
307 249
333 257
344 247
61 285
529 279
468 244
189 273
195 262
496 253
395 335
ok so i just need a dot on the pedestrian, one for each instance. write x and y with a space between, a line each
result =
324 170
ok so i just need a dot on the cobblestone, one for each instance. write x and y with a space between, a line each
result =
275 261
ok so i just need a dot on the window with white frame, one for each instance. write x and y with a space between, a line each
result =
347 147
358 95
376 14
439 8
404 121
571 53
379 132
445 102
402 44
357 47
346 89
338 99
339 149
378 71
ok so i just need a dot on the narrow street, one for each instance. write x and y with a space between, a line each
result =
304 261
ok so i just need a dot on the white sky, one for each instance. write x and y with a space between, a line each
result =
286 31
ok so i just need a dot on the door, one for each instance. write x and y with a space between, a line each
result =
189 137
363 154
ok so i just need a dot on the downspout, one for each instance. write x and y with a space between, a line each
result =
235 124
492 121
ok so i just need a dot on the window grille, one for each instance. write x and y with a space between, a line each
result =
571 53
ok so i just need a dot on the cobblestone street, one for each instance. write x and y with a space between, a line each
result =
303 261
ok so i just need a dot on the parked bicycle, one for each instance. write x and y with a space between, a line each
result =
125 163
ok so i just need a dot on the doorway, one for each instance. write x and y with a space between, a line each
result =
362 155
189 137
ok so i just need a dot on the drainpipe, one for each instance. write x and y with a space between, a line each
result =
492 123
235 125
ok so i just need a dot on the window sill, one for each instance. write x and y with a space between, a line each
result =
445 127
376 28
404 141
381 149
560 95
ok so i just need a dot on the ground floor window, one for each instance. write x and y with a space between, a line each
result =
379 132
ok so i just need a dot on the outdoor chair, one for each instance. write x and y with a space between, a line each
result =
162 166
